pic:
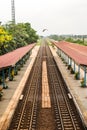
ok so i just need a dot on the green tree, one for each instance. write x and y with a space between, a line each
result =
5 38
22 34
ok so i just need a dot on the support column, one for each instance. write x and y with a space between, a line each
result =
21 62
71 62
74 67
68 60
9 73
84 75
64 56
79 71
3 78
59 52
15 70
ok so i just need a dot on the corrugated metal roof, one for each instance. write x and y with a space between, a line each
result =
13 57
75 51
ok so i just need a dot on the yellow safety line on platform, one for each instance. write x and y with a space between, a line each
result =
45 87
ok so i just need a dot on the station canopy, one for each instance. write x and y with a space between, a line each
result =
76 52
11 58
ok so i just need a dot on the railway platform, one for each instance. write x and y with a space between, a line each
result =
13 93
78 93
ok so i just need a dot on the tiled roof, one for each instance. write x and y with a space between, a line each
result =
11 58
75 51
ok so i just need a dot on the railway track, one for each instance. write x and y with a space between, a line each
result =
29 114
25 113
67 115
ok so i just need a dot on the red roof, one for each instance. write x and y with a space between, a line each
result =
75 51
11 58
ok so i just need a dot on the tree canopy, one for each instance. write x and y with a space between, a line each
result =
5 37
13 36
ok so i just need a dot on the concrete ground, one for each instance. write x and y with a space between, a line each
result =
78 93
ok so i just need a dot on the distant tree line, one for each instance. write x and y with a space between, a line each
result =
13 36
56 37
79 39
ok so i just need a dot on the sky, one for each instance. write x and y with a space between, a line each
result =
57 16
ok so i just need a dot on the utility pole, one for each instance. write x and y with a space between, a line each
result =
13 11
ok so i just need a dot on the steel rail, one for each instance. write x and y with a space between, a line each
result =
64 97
34 79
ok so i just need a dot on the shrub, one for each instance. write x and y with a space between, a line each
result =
82 83
77 75
69 67
72 71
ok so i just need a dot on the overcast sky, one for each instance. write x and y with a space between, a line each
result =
58 16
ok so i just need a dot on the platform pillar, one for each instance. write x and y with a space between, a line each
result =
15 70
84 75
21 63
9 73
74 67
66 59
70 61
79 71
59 52
3 78
23 60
